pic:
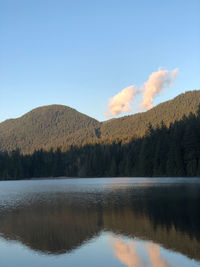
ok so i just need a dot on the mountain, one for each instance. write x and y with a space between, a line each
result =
57 125
136 125
47 126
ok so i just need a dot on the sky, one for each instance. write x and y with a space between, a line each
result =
85 54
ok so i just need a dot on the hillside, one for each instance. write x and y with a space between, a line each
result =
47 126
57 125
137 124
168 152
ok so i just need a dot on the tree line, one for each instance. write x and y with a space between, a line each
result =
163 151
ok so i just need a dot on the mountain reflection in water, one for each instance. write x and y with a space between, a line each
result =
61 217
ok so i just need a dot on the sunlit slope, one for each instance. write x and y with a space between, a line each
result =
57 125
137 124
47 126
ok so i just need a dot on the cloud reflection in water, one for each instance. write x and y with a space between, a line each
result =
128 253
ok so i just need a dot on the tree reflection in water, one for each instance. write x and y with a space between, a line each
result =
55 223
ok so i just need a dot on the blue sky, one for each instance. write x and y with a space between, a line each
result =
81 53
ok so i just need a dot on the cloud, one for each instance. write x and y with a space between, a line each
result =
154 86
122 101
126 253
156 83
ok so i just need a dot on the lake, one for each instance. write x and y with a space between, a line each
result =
93 222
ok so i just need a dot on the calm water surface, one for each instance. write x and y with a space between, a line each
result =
100 222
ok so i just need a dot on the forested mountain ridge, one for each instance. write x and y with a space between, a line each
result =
61 126
137 124
172 151
45 127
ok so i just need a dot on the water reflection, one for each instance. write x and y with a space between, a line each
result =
58 220
155 257
128 253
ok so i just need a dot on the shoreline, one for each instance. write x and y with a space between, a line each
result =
117 177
